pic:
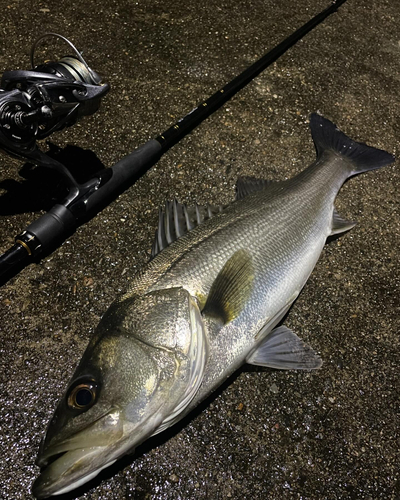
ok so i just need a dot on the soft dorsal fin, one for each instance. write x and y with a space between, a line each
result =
249 185
177 219
231 289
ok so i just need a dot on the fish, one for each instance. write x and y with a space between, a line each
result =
211 298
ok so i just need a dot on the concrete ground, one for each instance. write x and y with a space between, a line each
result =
332 434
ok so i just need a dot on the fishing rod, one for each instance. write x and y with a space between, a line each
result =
35 103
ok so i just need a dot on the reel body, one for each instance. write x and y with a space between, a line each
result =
51 96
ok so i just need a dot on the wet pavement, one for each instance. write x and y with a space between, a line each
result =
332 434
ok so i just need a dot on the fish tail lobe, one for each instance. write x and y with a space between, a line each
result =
361 157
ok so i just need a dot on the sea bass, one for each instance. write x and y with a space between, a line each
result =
220 281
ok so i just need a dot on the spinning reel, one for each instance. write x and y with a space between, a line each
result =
37 102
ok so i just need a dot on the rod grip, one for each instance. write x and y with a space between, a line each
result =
123 174
42 235
50 228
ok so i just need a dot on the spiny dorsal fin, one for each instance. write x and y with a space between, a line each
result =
339 224
231 288
249 185
177 219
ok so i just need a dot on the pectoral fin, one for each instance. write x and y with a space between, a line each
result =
284 350
231 289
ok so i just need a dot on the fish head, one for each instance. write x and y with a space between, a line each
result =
139 372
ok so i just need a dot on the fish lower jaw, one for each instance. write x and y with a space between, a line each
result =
69 470
82 480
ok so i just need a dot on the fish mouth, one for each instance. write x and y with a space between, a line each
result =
70 470
68 464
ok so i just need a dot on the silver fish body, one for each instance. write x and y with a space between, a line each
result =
207 302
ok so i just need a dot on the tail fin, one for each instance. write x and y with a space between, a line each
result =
327 136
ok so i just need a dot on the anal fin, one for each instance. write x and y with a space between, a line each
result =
339 224
284 350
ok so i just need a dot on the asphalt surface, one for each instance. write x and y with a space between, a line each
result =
332 434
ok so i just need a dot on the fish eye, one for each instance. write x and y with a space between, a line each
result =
82 395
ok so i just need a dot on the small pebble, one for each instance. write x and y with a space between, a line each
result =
274 388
